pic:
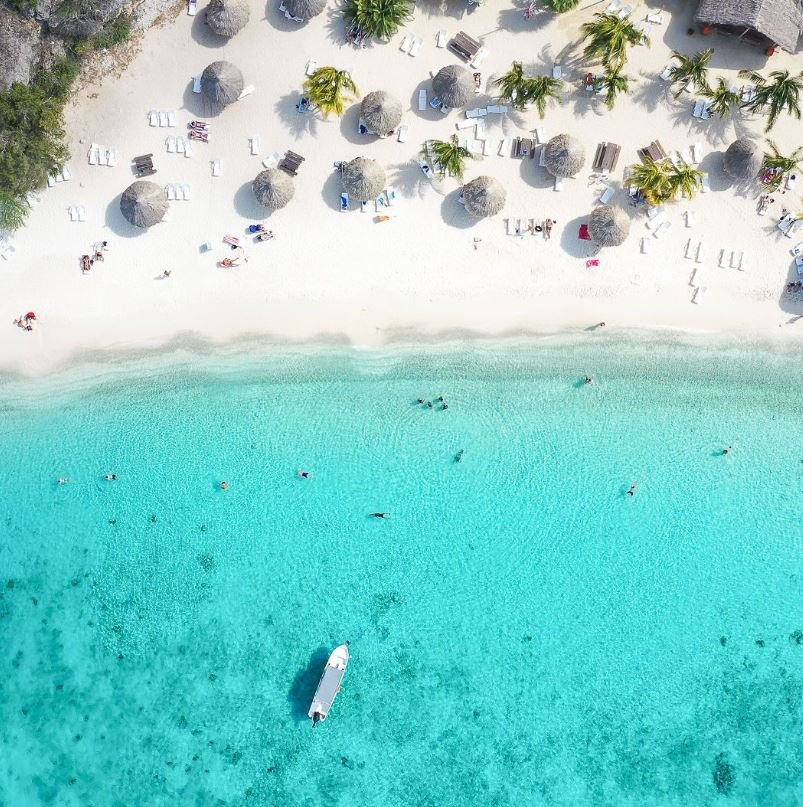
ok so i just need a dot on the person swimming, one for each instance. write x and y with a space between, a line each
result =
305 474
727 450
459 456
430 405
380 515
421 401
224 485
110 477
63 480
632 490
588 380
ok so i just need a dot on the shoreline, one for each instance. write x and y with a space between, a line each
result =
193 349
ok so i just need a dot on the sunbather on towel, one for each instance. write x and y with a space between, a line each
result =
548 228
86 263
229 262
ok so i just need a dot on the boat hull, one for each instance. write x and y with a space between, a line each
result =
329 685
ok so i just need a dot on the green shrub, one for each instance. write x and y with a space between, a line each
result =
560 5
378 18
115 33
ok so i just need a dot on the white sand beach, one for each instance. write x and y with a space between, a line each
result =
431 269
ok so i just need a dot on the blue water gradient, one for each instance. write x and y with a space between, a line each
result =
522 631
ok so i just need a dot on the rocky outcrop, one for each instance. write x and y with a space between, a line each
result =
85 19
24 48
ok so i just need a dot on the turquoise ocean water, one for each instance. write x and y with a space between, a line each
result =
522 631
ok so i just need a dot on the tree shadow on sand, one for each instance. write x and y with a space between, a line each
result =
304 683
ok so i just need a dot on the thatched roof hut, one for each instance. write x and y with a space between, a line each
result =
304 9
609 226
484 196
766 22
144 203
273 188
381 112
743 159
564 156
222 83
363 179
227 17
454 85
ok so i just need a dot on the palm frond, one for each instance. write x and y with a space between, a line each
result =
447 156
330 89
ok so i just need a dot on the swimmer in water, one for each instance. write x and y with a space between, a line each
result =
421 401
110 477
445 406
305 474
224 485
633 489
63 480
429 405
727 450
380 515
588 379
459 456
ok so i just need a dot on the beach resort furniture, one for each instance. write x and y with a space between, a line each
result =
645 245
655 152
505 144
482 55
666 73
690 218
72 210
613 7
364 205
524 147
249 89
153 118
344 202
479 112
171 118
7 248
81 213
311 67
496 109
785 223
163 119
656 214
188 152
674 158
93 154
797 250
479 129
180 141
791 182
66 173
407 42
686 156
558 184
192 7
540 134
111 157
606 157
656 19
723 258
442 38
465 46
700 254
231 240
361 127
696 150
705 184
416 46
425 169
487 148
171 144
196 84
254 144
557 72
102 158
737 260
699 293
272 160
402 135
291 163
662 228
422 100
465 124
606 195
644 27
217 168
542 157
170 192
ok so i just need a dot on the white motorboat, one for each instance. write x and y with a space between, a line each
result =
329 685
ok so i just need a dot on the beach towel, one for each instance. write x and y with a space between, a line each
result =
592 262
584 234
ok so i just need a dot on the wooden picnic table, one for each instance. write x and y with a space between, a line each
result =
291 163
465 46
610 156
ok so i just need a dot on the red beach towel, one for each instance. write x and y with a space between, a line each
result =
592 262
584 234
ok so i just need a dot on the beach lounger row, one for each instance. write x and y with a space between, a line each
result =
160 118
178 192
101 155
65 175
411 44
179 145
701 109
77 212
733 259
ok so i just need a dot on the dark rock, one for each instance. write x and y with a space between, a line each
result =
24 49
724 775
81 20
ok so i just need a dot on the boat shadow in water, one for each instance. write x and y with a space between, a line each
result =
304 684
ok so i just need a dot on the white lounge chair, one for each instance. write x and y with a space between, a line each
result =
510 227
465 123
186 192
741 261
170 191
613 6
479 58
606 195
705 184
254 143
163 119
696 150
487 147
111 157
416 46
699 293
102 159
402 135
192 7
797 250
791 181
81 213
685 155
656 220
312 66
442 38
217 168
171 144
249 89
556 71
66 173
505 144
94 150
662 228
188 152
422 100
690 218
196 84
179 145
344 202
153 117
73 212
542 157
688 250
646 245
272 160
496 109
479 129
171 118
407 42
666 73
723 258
625 11
697 109
656 19
51 181
390 195
540 134
558 184
700 255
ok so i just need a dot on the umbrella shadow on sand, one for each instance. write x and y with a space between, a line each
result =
454 214
117 222
332 189
203 34
246 205
572 244
304 683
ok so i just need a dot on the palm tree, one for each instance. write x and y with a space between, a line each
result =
780 93
539 89
684 180
511 86
775 165
652 180
330 89
614 83
608 38
448 157
722 99
12 211
560 6
692 70
379 18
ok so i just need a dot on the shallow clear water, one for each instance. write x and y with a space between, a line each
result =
522 631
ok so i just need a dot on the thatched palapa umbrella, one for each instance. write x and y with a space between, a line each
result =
743 159
564 156
609 226
273 188
381 112
363 179
227 17
222 83
144 203
304 9
454 85
484 196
